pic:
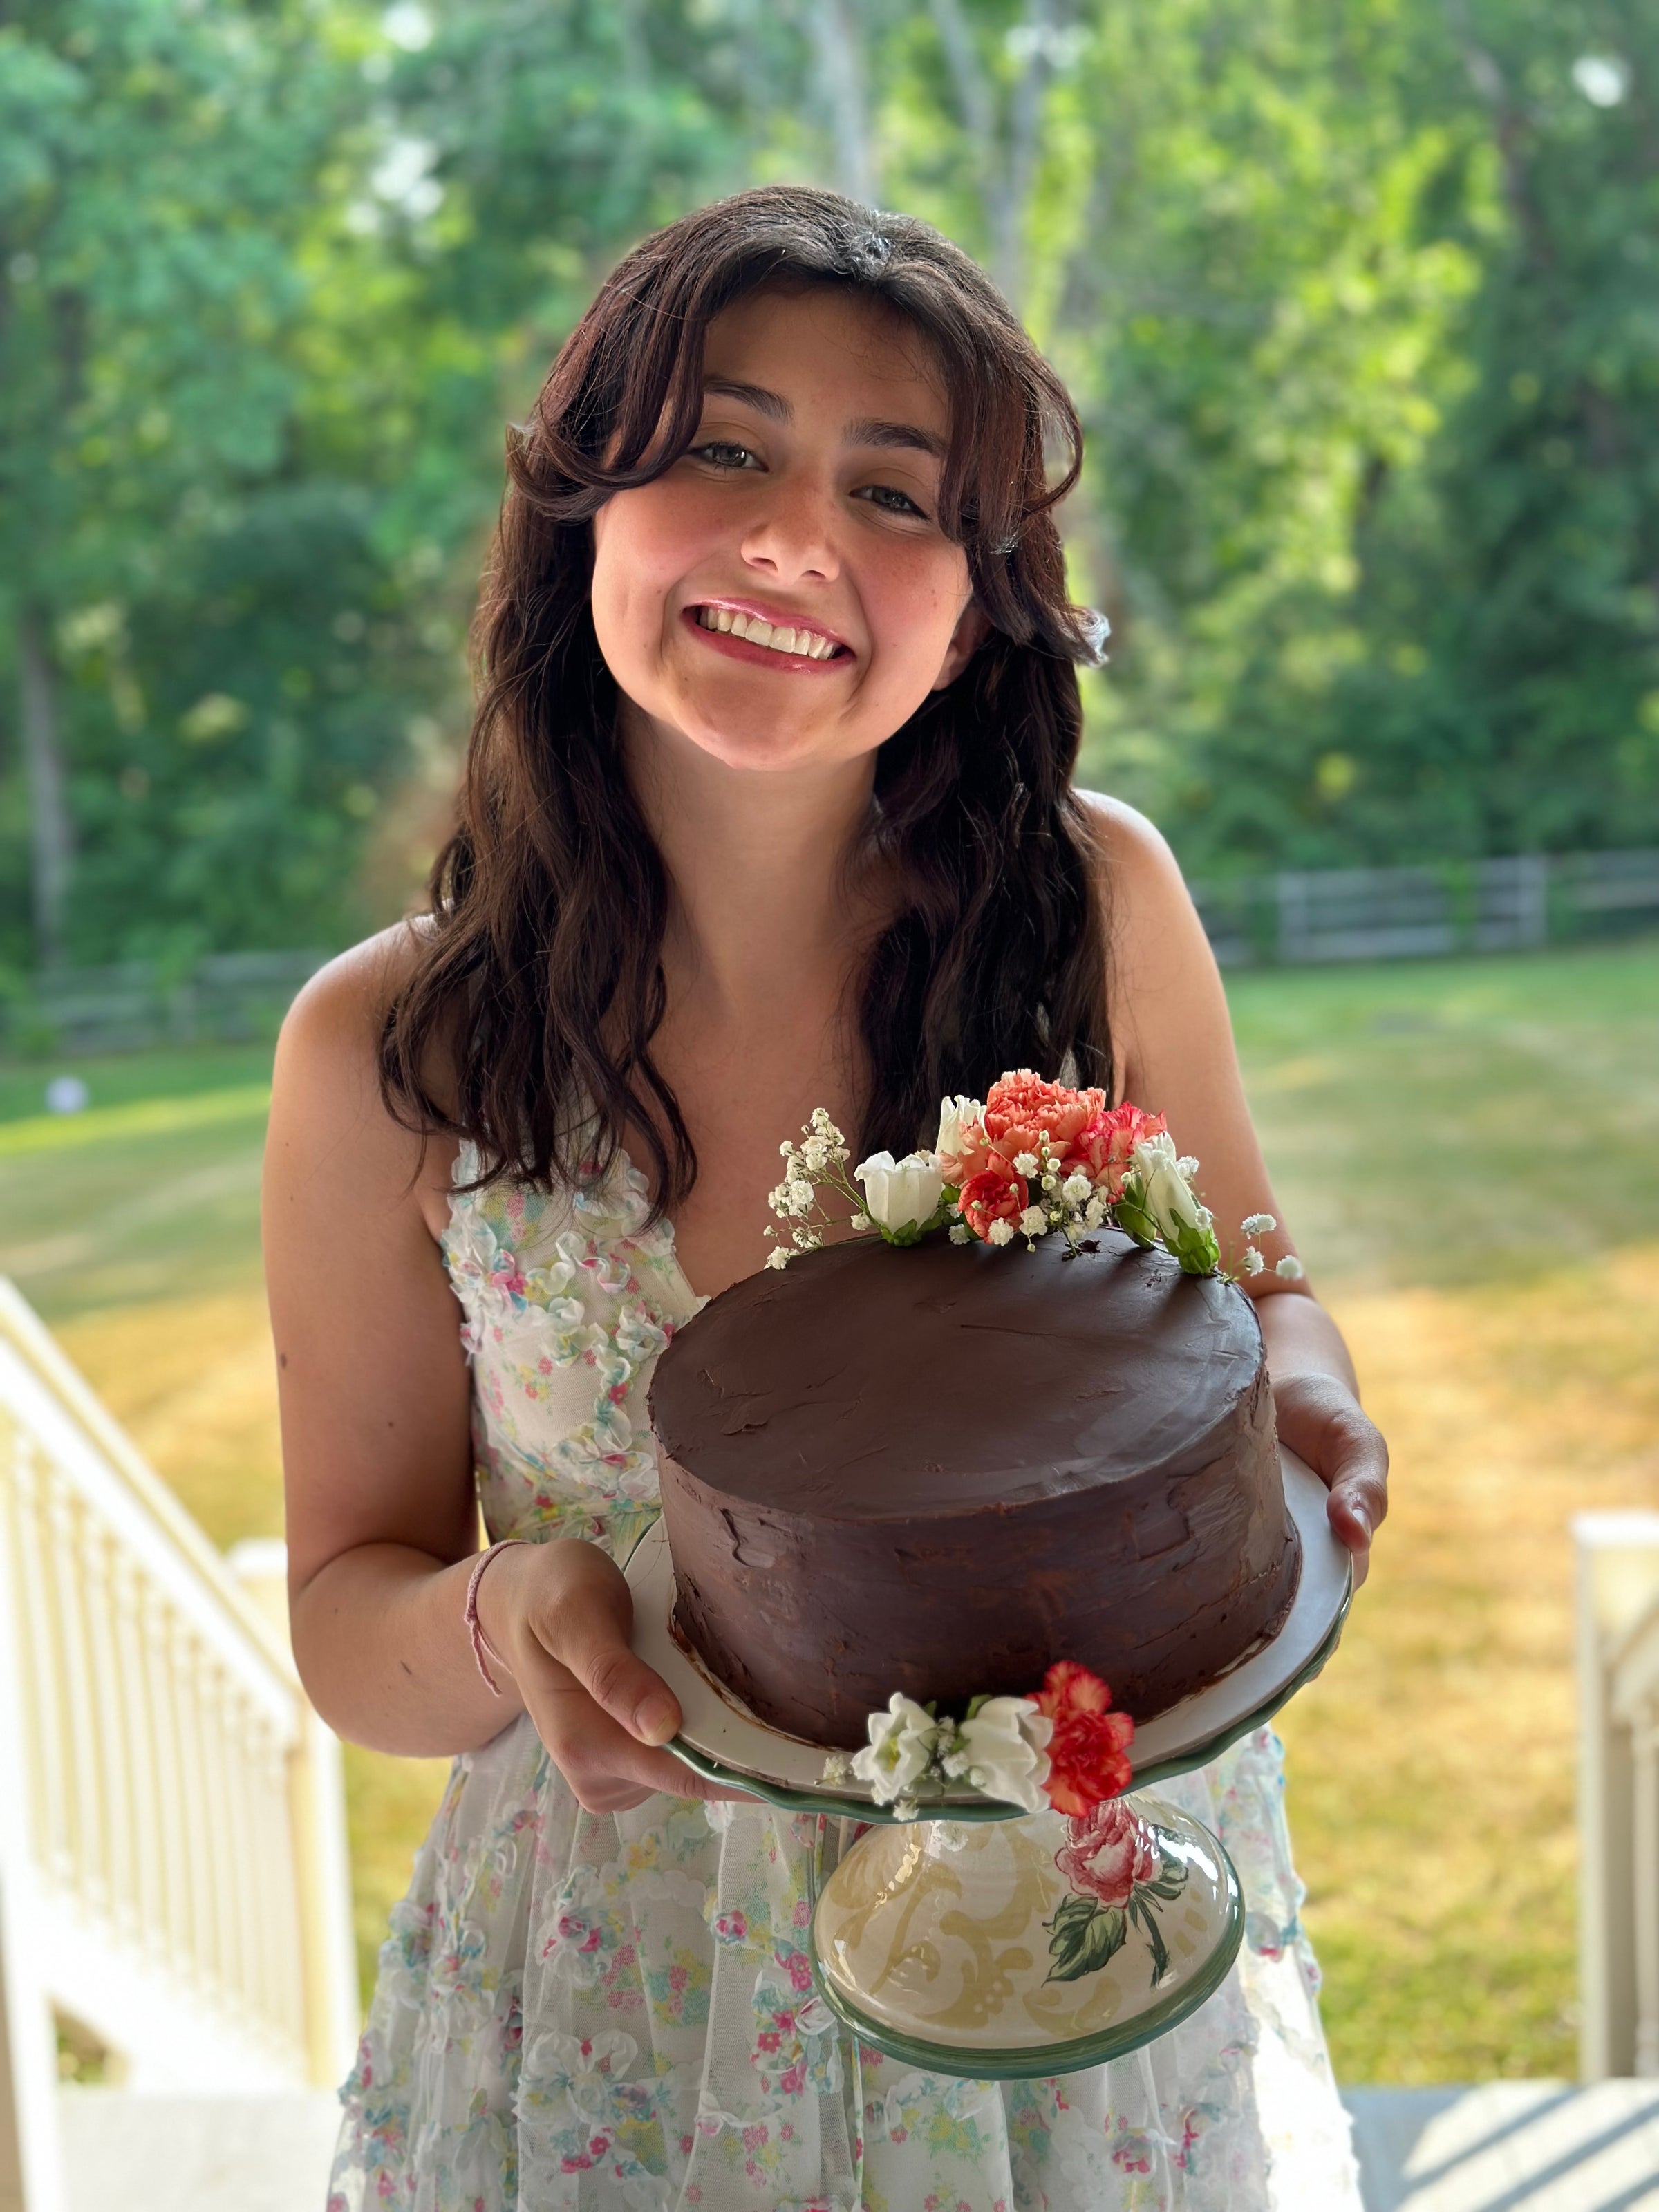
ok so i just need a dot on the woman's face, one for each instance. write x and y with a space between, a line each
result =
805 510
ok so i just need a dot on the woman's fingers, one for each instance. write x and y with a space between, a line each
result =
584 1619
1323 1424
601 1712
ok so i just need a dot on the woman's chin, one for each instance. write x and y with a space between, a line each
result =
763 748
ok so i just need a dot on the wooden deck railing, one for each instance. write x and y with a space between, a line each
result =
1618 1793
172 1868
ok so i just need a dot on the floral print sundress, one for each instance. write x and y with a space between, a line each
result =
579 2011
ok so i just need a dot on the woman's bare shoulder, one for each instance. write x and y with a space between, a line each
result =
345 1004
1124 838
327 1089
1145 893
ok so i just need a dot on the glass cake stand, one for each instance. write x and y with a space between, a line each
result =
982 1940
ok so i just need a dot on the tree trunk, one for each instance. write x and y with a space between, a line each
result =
52 832
838 49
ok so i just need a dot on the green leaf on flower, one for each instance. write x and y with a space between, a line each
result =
1135 1222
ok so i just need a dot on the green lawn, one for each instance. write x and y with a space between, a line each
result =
1469 1155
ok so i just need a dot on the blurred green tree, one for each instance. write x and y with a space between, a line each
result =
1358 302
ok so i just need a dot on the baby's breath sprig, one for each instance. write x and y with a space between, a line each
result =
1289 1269
819 1159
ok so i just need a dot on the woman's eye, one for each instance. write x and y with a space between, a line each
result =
721 453
890 499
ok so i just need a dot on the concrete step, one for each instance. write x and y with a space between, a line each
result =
1509 2147
168 2154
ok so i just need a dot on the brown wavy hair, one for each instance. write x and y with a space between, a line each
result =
540 978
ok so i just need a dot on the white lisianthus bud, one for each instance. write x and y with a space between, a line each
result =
1164 1196
1290 1267
1002 1751
900 1196
960 1121
1258 1224
1033 1222
999 1232
900 1749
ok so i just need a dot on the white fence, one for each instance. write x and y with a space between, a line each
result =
174 1883
1509 905
1618 1793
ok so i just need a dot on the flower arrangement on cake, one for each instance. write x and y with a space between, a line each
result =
1032 1158
1064 1750
1062 1747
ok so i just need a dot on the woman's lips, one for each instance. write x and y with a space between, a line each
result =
765 656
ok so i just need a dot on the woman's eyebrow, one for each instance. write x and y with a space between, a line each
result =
868 430
772 404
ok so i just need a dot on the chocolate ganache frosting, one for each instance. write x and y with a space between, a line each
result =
938 1470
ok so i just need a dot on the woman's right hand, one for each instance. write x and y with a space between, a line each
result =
559 1614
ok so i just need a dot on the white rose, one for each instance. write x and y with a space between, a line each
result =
959 1118
900 1194
900 1748
1003 1752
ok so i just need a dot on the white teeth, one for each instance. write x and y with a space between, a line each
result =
780 639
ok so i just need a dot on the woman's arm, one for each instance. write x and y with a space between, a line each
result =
1173 1045
382 1525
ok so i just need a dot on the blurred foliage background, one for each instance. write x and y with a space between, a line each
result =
1359 300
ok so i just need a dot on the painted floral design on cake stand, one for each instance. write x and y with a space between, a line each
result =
1030 1946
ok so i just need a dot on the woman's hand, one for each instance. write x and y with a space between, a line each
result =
1320 1420
559 1613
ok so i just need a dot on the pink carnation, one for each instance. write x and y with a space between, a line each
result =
1023 1108
1104 1147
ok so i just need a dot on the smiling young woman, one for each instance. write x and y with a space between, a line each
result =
767 806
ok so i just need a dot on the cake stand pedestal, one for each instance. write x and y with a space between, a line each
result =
981 1941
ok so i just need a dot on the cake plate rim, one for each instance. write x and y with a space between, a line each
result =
1324 1593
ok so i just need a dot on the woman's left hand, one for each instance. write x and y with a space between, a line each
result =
1322 1421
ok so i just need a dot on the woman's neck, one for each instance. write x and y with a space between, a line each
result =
767 901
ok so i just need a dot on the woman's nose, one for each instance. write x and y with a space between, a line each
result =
793 535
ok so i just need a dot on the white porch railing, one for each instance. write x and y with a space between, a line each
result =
173 1862
1618 1793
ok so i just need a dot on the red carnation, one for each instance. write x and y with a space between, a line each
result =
1087 1752
994 1195
1105 1147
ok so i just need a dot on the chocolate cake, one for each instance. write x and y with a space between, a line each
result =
938 1470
